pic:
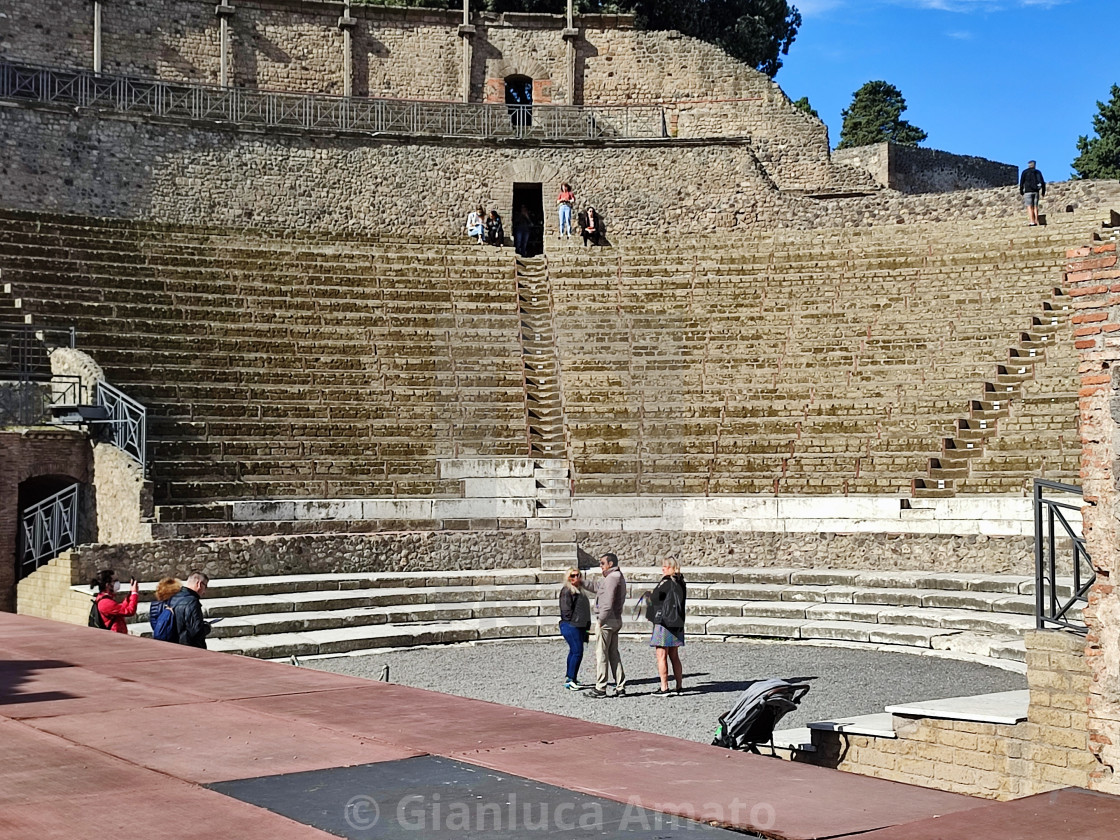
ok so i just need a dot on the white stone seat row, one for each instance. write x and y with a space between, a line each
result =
309 615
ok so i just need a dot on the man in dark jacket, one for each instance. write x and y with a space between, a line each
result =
1031 186
186 604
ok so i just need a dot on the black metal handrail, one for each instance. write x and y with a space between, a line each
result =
322 112
48 528
25 372
126 422
1055 603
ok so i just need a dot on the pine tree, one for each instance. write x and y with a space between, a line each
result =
1100 155
875 116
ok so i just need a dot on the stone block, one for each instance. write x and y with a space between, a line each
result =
488 488
774 628
448 509
848 631
459 468
921 637
774 609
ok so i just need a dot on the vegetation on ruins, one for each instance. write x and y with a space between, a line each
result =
875 116
1100 155
802 104
757 32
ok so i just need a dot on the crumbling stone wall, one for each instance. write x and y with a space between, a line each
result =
910 169
1093 278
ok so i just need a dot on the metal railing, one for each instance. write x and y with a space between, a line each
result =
1059 552
26 390
320 112
126 423
48 528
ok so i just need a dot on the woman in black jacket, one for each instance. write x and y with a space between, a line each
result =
667 611
575 621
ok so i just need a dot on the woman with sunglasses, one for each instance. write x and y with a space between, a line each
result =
575 621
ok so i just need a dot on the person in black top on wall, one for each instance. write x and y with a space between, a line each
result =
1031 186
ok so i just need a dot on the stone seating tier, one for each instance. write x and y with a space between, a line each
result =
311 615
418 346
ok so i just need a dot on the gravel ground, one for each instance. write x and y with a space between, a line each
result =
530 674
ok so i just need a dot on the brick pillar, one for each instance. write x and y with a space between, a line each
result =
1093 278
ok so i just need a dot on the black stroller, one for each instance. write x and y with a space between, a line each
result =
751 721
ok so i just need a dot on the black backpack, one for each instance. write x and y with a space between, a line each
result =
95 618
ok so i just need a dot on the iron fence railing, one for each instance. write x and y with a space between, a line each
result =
311 112
126 422
26 392
1063 569
48 528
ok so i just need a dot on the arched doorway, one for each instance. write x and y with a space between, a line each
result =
519 98
48 520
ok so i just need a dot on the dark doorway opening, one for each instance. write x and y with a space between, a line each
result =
50 528
528 219
519 98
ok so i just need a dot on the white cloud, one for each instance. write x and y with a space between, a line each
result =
961 35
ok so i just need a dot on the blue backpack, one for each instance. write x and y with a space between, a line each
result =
162 619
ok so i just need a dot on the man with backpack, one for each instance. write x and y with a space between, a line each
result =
1031 186
186 607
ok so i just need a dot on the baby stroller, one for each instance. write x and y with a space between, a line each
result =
752 720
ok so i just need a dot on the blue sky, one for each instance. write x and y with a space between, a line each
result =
1010 80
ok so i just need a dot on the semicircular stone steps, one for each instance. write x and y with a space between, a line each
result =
333 614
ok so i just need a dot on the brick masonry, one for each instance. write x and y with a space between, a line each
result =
1093 277
27 454
1049 750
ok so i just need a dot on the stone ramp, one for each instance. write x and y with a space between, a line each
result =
64 766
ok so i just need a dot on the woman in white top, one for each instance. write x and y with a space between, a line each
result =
476 226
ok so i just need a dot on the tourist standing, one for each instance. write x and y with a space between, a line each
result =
564 203
666 610
575 621
610 596
1031 186
113 612
522 231
186 604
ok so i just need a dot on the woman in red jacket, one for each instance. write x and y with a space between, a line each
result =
112 612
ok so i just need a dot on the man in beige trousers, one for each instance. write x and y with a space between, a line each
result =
610 595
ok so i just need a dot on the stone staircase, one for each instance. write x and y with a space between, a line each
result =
331 614
1000 397
543 401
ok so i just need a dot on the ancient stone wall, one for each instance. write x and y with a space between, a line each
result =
910 169
26 454
1049 750
314 554
130 168
417 54
1094 281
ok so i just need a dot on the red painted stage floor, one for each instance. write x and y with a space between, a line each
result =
99 729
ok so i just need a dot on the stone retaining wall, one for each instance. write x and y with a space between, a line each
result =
313 554
999 761
126 168
908 552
